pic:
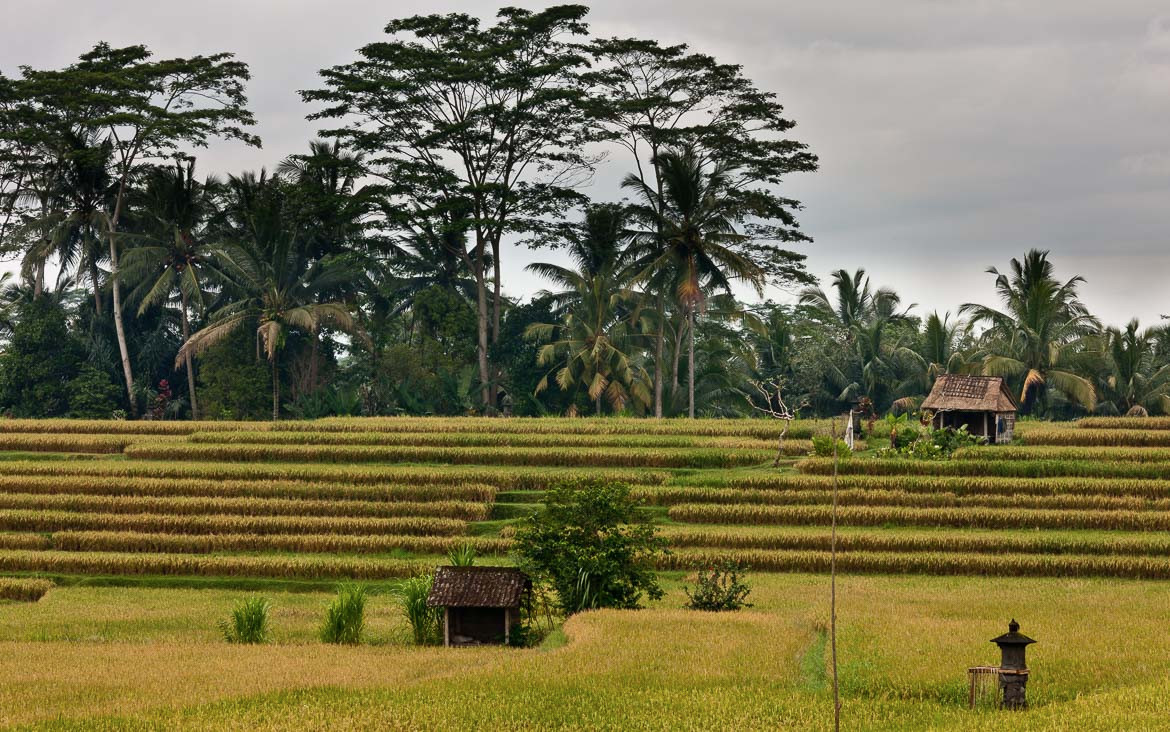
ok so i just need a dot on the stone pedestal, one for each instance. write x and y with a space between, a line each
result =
1013 683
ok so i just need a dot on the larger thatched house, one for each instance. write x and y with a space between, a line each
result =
981 403
480 604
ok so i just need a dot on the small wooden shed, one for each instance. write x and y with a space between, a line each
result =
481 605
981 403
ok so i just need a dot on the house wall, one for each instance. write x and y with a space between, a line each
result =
481 624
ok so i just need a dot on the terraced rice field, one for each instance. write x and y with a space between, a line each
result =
378 499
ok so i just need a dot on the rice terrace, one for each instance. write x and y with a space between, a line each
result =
446 366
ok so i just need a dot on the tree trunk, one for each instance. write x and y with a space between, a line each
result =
691 364
97 294
121 330
494 390
39 279
314 354
659 346
678 344
482 323
275 391
187 358
597 406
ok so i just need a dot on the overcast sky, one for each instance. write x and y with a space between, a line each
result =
952 135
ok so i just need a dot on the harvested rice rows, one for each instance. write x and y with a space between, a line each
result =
341 498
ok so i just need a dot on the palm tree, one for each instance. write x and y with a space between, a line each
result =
268 277
942 345
593 345
75 228
857 304
173 207
1134 380
1036 334
688 243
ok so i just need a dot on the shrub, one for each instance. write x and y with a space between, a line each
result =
248 622
719 588
822 446
424 620
462 555
593 546
92 395
346 616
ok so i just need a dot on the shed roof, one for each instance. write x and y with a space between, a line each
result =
501 587
970 393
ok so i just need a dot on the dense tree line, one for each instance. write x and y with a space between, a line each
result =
364 274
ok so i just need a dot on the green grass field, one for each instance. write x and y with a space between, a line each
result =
152 531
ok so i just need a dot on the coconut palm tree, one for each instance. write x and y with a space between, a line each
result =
594 345
1135 380
1036 334
688 242
857 304
268 276
76 226
172 258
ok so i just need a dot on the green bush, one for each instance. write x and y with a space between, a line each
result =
462 555
248 623
345 617
424 621
593 545
822 446
719 588
92 395
38 362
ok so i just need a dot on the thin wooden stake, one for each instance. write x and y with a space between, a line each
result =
833 588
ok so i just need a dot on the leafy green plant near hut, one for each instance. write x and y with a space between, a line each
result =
345 618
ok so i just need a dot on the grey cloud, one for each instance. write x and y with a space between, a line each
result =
953 135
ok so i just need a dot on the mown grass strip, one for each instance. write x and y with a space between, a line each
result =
199 506
1002 565
123 541
572 457
112 563
49 521
968 517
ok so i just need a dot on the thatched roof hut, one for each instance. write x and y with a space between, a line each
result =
480 604
981 403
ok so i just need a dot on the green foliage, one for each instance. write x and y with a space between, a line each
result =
822 446
719 588
462 555
248 622
346 616
425 622
37 366
592 545
92 395
233 382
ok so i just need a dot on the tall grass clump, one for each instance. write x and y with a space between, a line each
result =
424 620
462 555
248 622
345 618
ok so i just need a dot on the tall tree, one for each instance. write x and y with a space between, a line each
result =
1037 332
278 289
689 243
652 98
453 115
1133 377
146 109
173 208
